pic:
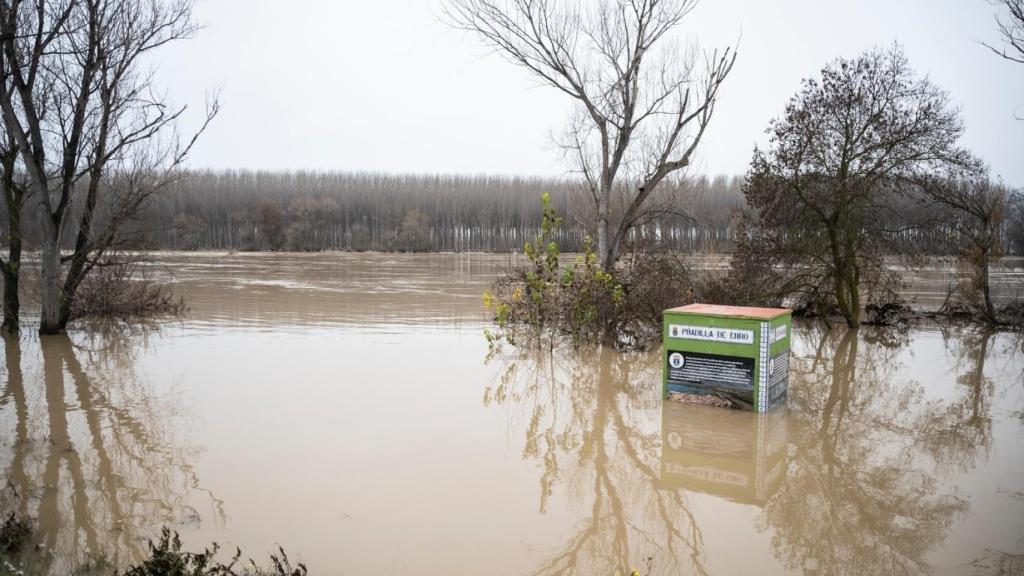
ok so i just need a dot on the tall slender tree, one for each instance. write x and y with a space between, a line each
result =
643 105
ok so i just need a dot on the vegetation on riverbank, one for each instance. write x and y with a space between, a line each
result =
121 290
548 298
864 160
19 556
125 291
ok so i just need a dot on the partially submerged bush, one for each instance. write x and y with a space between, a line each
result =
124 290
887 313
582 301
653 281
965 302
579 301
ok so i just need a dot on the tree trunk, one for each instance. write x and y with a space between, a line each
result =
844 280
847 293
12 304
50 292
602 228
612 254
853 289
986 288
840 290
13 198
12 269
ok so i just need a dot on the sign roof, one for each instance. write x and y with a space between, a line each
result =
731 311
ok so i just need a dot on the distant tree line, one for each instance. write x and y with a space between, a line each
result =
312 211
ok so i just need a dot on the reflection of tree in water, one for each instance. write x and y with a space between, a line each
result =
958 433
871 460
93 458
963 429
860 495
590 420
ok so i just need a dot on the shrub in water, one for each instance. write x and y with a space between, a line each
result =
582 301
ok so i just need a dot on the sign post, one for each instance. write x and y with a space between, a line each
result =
735 353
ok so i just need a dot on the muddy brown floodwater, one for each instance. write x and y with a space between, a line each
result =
345 407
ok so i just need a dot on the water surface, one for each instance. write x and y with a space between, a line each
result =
346 407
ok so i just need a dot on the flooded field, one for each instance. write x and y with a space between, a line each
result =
346 408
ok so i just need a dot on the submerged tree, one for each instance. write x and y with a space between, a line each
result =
13 200
980 207
642 105
95 140
842 160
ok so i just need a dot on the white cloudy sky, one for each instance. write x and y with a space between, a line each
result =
385 85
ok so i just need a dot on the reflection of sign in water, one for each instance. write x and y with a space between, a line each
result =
736 455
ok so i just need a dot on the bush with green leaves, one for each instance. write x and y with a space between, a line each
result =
579 300
553 296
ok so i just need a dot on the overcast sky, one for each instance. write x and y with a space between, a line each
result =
385 85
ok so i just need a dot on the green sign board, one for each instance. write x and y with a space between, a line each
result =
736 353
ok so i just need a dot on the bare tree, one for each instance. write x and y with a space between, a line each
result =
643 106
1011 31
980 207
90 128
1011 28
841 157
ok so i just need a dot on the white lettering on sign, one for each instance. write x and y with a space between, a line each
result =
780 333
710 334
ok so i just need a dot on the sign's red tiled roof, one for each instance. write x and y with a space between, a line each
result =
733 311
